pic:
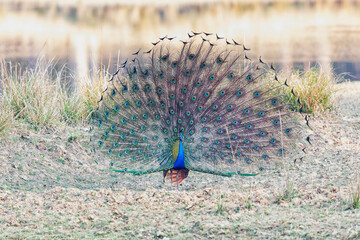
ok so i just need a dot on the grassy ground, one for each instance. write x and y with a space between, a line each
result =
43 96
53 187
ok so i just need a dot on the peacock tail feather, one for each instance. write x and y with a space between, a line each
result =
199 105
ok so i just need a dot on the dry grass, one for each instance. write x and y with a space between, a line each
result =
32 95
355 194
6 117
79 106
40 96
314 90
91 91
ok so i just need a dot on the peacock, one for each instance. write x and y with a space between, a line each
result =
199 104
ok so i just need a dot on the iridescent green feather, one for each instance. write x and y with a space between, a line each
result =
203 89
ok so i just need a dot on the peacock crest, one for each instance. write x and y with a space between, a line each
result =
195 105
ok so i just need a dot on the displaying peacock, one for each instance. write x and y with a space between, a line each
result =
196 105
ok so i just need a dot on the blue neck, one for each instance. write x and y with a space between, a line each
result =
179 163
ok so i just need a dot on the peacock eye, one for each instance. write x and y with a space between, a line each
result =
147 87
221 112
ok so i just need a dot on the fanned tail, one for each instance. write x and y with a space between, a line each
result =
204 89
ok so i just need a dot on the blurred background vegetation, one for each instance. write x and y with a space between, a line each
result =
85 34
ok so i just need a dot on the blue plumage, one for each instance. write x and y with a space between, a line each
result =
203 94
180 160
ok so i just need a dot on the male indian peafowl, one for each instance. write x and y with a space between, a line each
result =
196 105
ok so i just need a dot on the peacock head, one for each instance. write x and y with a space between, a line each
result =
181 138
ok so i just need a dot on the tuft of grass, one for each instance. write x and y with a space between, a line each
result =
287 195
32 95
91 92
287 192
220 207
40 96
355 194
6 117
314 90
248 204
